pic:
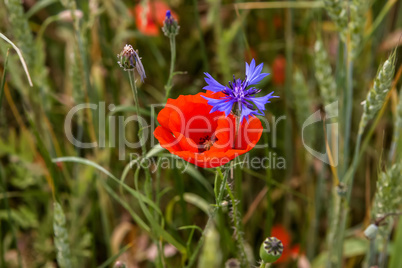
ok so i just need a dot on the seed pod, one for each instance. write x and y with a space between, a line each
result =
271 249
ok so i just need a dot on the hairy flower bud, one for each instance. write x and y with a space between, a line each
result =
129 60
170 26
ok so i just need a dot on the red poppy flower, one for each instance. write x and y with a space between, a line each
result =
149 19
188 129
289 252
278 70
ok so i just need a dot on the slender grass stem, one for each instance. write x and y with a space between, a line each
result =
348 111
10 219
372 253
3 79
268 181
148 181
131 76
219 189
169 85
202 43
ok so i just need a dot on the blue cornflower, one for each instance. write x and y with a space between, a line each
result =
239 93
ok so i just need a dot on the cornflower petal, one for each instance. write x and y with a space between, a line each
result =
213 85
223 104
253 74
246 112
261 101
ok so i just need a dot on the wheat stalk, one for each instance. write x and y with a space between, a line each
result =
358 10
376 96
396 137
20 29
323 73
301 98
61 237
338 12
388 197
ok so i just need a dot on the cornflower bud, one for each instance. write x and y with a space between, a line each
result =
129 60
170 26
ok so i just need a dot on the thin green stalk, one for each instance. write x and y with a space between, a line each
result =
24 65
289 150
268 180
219 189
202 43
238 227
10 219
169 85
131 75
180 189
350 173
348 111
342 202
384 253
3 80
372 253
148 181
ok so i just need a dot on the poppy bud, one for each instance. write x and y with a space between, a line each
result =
271 249
170 26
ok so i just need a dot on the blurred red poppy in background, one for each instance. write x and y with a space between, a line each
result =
149 18
289 252
188 129
278 70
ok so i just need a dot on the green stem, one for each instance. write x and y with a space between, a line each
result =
169 85
3 80
268 180
219 189
10 219
348 111
148 177
131 76
202 43
238 227
372 253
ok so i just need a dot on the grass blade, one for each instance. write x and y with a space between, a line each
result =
24 65
3 80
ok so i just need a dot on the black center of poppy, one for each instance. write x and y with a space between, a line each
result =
206 143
